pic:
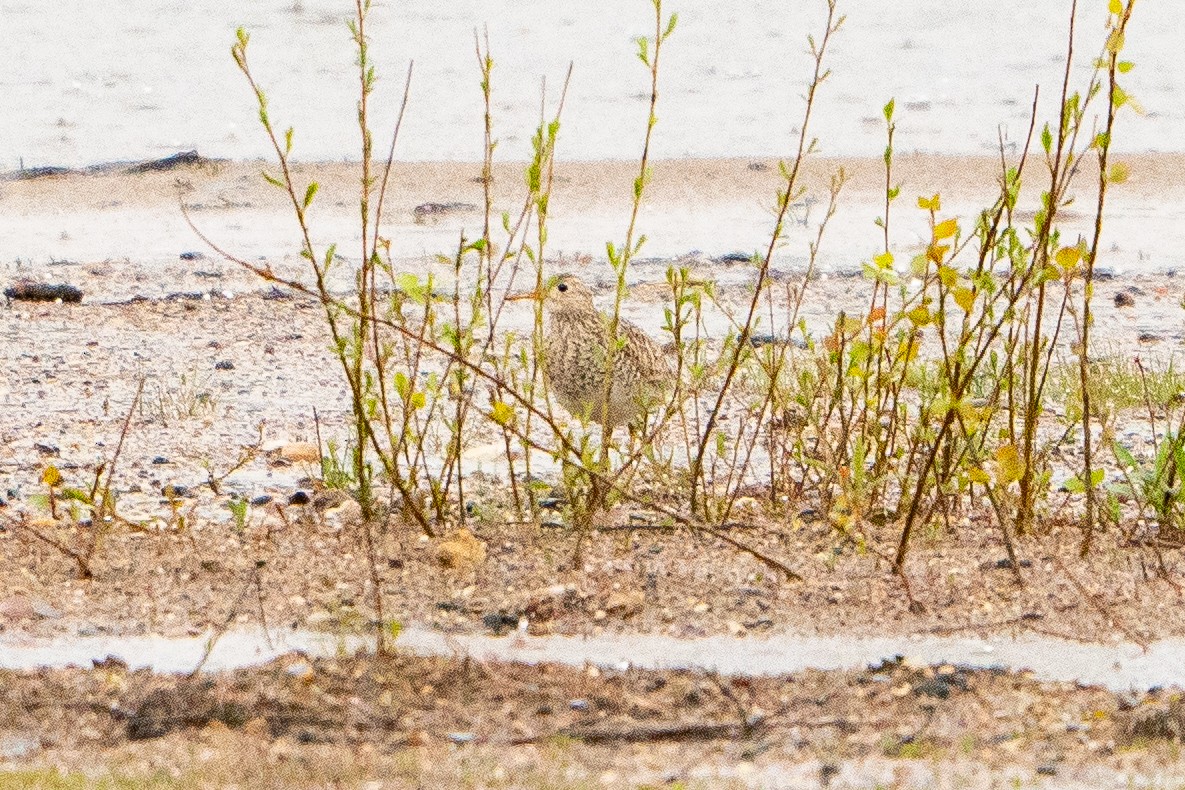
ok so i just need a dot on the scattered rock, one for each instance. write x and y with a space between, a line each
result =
462 552
625 603
500 622
192 256
261 500
180 159
30 291
1124 299
22 607
158 460
47 449
30 173
1157 723
343 513
16 747
224 364
1149 337
45 610
300 498
300 452
188 704
425 211
331 498
934 687
17 607
174 491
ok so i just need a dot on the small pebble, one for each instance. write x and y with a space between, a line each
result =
300 498
261 500
224 364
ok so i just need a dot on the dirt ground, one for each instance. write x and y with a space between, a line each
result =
232 374
449 722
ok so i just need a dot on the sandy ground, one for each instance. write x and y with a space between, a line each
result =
132 226
412 722
233 372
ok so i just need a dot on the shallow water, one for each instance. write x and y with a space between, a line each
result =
1118 666
83 83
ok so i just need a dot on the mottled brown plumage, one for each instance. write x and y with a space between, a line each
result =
575 353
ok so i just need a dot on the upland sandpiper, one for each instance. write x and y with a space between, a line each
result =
575 351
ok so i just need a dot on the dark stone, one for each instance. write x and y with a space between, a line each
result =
160 459
29 291
1048 769
224 364
425 210
192 256
180 159
174 491
188 704
47 449
1124 299
30 173
500 622
300 498
261 500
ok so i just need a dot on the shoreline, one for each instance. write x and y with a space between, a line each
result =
711 206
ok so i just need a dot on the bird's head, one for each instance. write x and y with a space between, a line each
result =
562 294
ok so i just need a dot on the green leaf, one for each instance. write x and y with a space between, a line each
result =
1124 456
268 177
503 413
674 20
888 110
310 192
964 298
51 476
1125 66
946 229
1011 465
644 50
1047 139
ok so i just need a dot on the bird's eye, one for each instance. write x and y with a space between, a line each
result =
562 287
